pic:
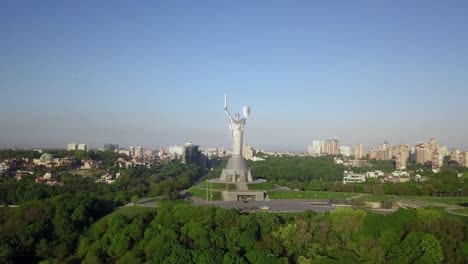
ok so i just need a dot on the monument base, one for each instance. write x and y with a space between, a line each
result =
236 171
246 195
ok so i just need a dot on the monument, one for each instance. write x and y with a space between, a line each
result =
237 169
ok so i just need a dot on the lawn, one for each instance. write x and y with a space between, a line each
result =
437 199
306 195
461 211
261 186
202 193
217 186
378 198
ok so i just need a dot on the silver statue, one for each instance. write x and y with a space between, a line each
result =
237 169
236 127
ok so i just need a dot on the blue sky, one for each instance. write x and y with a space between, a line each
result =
154 73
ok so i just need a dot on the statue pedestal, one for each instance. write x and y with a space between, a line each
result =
236 170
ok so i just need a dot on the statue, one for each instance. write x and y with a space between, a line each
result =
237 169
236 127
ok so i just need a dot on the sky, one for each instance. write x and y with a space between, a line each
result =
154 73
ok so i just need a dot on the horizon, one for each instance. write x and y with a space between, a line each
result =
155 73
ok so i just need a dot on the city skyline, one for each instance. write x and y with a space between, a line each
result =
73 72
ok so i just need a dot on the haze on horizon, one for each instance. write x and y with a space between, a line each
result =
154 73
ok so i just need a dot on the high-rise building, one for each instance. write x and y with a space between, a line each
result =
248 152
331 147
111 147
437 160
358 151
465 155
400 161
373 154
315 149
423 154
72 147
443 150
132 151
345 151
191 153
139 152
433 146
83 147
455 155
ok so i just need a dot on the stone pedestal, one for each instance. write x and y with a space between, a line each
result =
236 170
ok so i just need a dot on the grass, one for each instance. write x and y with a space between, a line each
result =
217 186
307 195
461 211
437 199
201 193
261 186
378 198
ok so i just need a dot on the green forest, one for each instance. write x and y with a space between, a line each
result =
64 229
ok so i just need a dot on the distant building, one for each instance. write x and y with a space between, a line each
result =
423 154
331 147
176 152
315 149
437 161
443 150
139 152
72 147
83 147
248 152
345 151
124 152
400 161
350 177
465 155
375 174
356 163
111 147
193 155
358 151
132 151
455 155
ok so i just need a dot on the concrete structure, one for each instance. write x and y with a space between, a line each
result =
345 151
132 151
455 155
351 177
400 161
315 149
437 161
83 147
356 163
331 147
246 195
72 147
465 155
236 169
111 147
375 174
358 151
248 152
139 152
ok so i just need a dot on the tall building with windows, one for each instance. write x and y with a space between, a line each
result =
400 162
423 154
83 147
315 149
465 155
132 151
345 151
72 147
111 147
139 152
358 151
437 160
331 147
455 155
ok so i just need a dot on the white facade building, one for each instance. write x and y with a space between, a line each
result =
83 147
345 151
72 147
316 148
351 177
